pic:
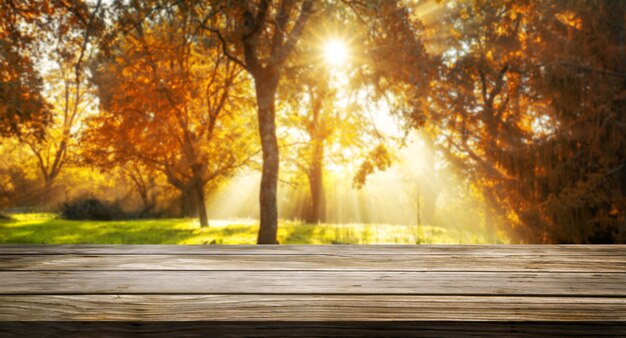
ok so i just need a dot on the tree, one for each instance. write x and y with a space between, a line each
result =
18 176
144 180
172 102
311 116
266 34
23 109
71 33
318 130
582 70
393 68
516 106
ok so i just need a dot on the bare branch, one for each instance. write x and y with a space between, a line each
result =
225 48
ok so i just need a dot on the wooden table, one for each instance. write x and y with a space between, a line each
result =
169 291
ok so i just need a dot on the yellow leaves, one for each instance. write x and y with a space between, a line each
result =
569 19
455 33
464 14
489 55
501 30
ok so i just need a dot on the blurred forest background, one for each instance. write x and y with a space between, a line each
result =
350 121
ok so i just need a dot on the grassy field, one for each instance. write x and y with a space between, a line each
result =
47 229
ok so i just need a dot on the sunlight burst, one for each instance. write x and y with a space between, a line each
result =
335 52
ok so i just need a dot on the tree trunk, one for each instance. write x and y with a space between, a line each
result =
202 212
317 209
152 195
429 185
430 204
490 227
47 191
189 202
265 86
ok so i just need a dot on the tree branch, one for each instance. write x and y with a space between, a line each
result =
225 48
293 37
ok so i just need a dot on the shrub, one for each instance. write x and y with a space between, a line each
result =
91 209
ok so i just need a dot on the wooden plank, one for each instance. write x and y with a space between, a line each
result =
308 308
313 282
172 329
326 262
577 250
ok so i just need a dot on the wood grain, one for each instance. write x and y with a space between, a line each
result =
308 308
452 329
577 250
325 262
354 291
313 282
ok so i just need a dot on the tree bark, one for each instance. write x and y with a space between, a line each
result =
317 209
47 191
265 86
201 205
189 203
266 75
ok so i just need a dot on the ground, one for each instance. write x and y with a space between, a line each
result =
48 229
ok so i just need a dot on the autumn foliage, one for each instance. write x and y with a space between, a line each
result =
524 99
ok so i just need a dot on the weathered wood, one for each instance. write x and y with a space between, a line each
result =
313 282
170 291
577 250
308 308
453 329
325 262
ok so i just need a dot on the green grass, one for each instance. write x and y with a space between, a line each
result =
47 229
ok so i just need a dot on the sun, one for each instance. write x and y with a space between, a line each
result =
335 52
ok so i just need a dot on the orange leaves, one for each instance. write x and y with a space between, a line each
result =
569 19
377 159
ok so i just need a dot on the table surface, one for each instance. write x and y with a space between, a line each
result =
445 289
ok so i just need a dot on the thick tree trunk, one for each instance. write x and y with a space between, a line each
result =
145 200
189 202
46 196
266 76
317 209
201 203
193 202
265 94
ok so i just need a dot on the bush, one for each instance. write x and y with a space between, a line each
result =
91 209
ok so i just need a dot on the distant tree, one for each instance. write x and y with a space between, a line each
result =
318 130
170 101
18 175
144 181
392 66
72 33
